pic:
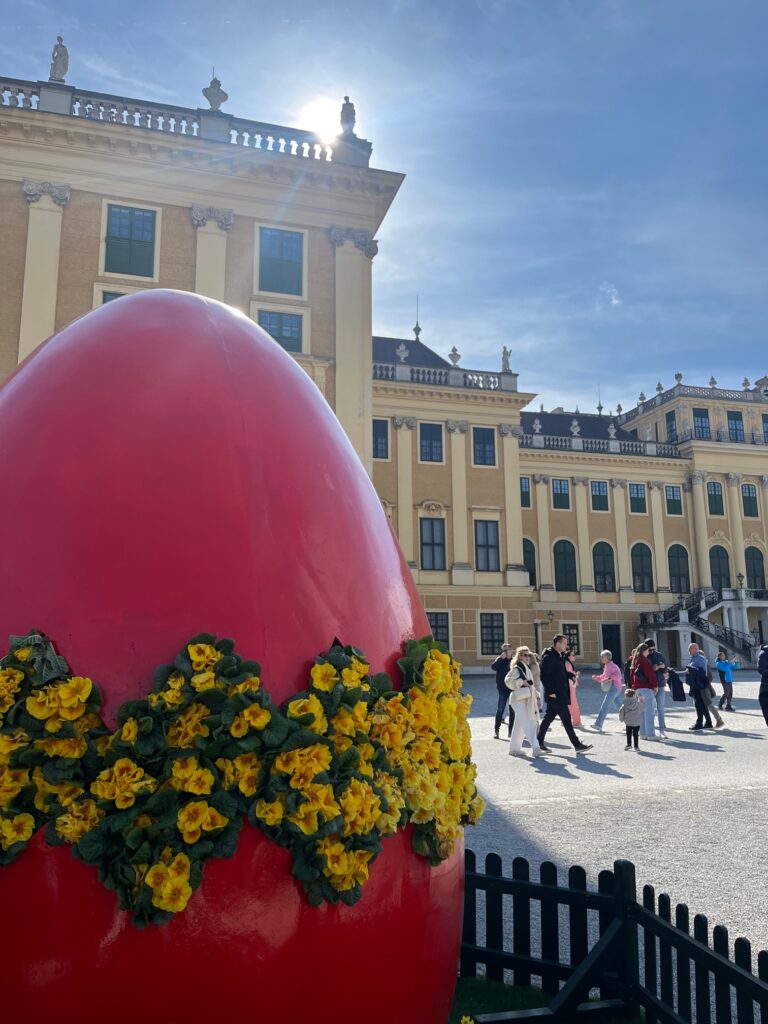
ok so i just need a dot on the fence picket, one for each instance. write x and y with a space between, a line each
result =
722 988
742 956
468 967
605 886
649 951
521 920
762 973
683 966
666 972
494 916
701 973
550 928
577 917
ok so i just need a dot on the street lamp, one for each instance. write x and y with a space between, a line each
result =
740 579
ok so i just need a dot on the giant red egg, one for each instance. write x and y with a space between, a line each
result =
169 470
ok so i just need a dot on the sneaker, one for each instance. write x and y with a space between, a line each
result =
628 746
695 728
729 707
545 750
637 750
538 752
720 724
662 737
583 748
496 735
710 726
597 728
516 753
652 739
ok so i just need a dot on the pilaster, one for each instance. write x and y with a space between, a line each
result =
736 524
403 426
546 577
623 564
657 522
515 572
211 258
586 567
462 573
697 480
41 266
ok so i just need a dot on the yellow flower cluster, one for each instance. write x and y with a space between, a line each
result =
188 726
122 783
63 702
168 879
14 830
10 684
344 868
47 794
197 817
241 772
79 818
253 717
304 764
188 777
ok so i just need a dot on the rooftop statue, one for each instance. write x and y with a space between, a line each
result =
348 117
59 61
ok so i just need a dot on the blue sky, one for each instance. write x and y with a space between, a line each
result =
586 179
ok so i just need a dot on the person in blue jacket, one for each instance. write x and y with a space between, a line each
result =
725 671
762 668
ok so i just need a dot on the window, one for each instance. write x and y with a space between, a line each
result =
671 424
281 256
430 442
438 623
483 446
571 632
110 296
487 545
565 566
679 573
525 491
715 498
755 568
604 568
735 426
130 242
529 560
491 632
719 567
765 428
674 496
285 328
642 569
599 495
561 494
701 424
637 498
432 534
749 500
380 439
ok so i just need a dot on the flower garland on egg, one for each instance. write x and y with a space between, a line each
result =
328 775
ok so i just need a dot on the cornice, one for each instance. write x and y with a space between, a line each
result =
450 396
642 463
54 131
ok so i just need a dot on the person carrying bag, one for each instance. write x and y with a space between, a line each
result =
524 699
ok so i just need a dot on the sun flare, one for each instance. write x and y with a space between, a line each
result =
321 116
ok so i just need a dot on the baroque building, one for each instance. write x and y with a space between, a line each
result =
515 524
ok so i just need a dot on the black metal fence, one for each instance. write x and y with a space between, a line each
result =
633 954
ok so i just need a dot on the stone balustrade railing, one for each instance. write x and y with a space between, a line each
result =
210 125
455 377
610 446
690 391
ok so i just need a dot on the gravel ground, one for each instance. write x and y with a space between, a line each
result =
690 813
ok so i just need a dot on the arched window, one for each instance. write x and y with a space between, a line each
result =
755 569
642 569
679 572
604 568
529 559
565 566
719 567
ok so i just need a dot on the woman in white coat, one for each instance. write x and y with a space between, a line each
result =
524 699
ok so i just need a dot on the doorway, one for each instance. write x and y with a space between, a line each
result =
611 640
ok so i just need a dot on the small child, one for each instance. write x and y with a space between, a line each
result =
631 714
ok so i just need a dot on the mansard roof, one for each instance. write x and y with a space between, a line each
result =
419 354
558 424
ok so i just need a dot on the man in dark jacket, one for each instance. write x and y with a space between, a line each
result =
557 690
501 667
762 668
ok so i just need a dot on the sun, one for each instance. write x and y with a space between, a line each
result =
321 116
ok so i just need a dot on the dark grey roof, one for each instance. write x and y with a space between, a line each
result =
558 424
419 354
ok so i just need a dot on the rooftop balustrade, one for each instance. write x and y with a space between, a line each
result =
602 446
452 377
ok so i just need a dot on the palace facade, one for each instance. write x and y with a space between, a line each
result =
516 524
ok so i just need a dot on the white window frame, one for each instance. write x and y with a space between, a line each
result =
482 465
104 286
158 211
430 423
303 311
637 483
281 296
388 421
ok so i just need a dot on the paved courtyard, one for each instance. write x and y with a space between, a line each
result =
690 813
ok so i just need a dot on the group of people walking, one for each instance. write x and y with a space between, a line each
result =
527 684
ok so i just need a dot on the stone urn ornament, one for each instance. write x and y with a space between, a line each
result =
215 94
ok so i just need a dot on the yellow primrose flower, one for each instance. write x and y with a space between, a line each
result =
122 783
188 726
335 853
22 653
202 681
309 706
324 677
251 684
270 813
41 704
198 817
320 798
11 741
173 896
129 731
227 772
16 830
74 691
12 781
360 807
157 876
80 818
74 746
202 656
305 817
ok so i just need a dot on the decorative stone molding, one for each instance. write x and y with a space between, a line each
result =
734 479
619 483
362 239
510 430
539 478
407 422
202 214
432 506
580 481
764 480
655 485
719 535
457 426
753 538
697 476
33 190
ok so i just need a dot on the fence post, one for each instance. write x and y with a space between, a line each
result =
625 899
467 965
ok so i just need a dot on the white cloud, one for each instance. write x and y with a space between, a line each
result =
608 295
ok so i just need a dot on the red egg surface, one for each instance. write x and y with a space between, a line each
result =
171 470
